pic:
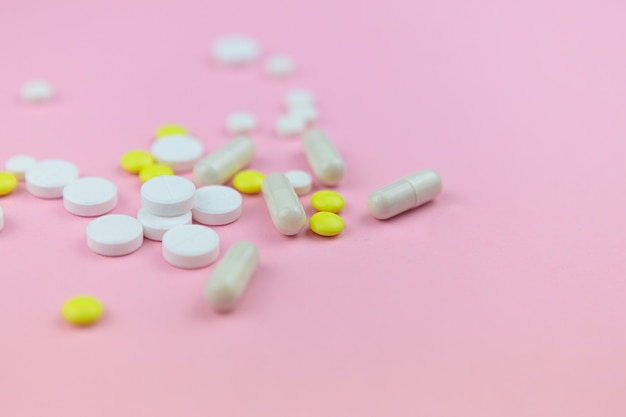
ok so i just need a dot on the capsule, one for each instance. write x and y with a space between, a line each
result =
283 204
231 276
323 157
223 163
405 194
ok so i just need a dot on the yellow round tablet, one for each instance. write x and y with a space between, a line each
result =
134 161
8 182
248 181
327 200
173 129
152 171
326 224
82 310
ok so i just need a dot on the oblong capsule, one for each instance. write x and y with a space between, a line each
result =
283 204
231 276
224 162
323 157
405 194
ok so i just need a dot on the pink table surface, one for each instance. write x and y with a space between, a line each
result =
505 297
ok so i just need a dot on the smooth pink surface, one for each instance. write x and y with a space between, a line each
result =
506 297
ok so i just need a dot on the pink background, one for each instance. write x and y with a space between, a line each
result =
506 297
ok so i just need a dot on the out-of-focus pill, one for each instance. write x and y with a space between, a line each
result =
48 178
289 125
326 224
308 114
134 161
231 276
280 66
168 195
405 194
301 180
327 200
248 181
216 205
36 91
235 49
8 182
154 227
155 170
178 152
114 235
191 246
283 204
296 98
240 122
82 310
90 196
171 129
17 165
223 163
323 157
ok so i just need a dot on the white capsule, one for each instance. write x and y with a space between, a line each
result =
283 204
223 163
231 276
405 194
325 160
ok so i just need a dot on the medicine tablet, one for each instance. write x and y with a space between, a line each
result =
36 91
178 152
301 180
240 122
114 235
224 162
327 200
90 196
307 114
297 98
326 224
171 129
279 65
154 227
150 171
323 157
191 246
235 49
82 310
168 195
17 165
135 161
248 181
1 218
216 205
283 204
8 182
48 178
290 125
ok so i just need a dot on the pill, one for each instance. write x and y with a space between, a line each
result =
136 160
90 196
289 125
280 65
178 152
114 235
235 49
168 195
154 227
231 276
405 194
248 181
17 165
307 114
216 205
151 171
327 200
283 204
326 224
191 246
301 180
223 163
325 160
1 218
296 98
8 182
170 129
82 310
48 178
36 91
240 122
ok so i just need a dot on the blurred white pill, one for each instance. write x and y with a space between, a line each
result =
235 49
279 66
290 125
36 91
191 246
114 235
216 205
296 98
47 178
168 195
90 196
178 152
154 227
240 122
18 164
302 181
307 113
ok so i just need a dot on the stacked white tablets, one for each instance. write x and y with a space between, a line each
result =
301 111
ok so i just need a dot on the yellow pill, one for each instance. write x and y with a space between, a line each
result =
326 224
134 161
249 181
8 182
152 171
167 130
327 200
82 310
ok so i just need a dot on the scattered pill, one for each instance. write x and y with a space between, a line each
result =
301 180
325 160
36 91
171 129
178 152
325 223
235 49
154 227
168 195
231 276
248 181
90 196
283 204
223 163
1 218
82 310
191 246
280 65
216 205
327 200
295 98
18 165
114 235
240 122
8 182
48 178
405 194
307 114
289 125
135 161
151 171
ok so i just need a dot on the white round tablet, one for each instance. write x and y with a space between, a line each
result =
178 152
154 227
48 178
280 65
114 235
306 113
301 180
168 195
36 91
235 49
295 98
191 246
90 196
17 165
289 125
240 122
216 205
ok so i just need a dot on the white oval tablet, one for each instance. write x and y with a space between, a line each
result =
168 195
178 152
279 65
191 246
216 205
289 125
36 91
240 122
235 49
17 165
295 98
154 227
302 181
48 178
306 113
90 196
114 235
